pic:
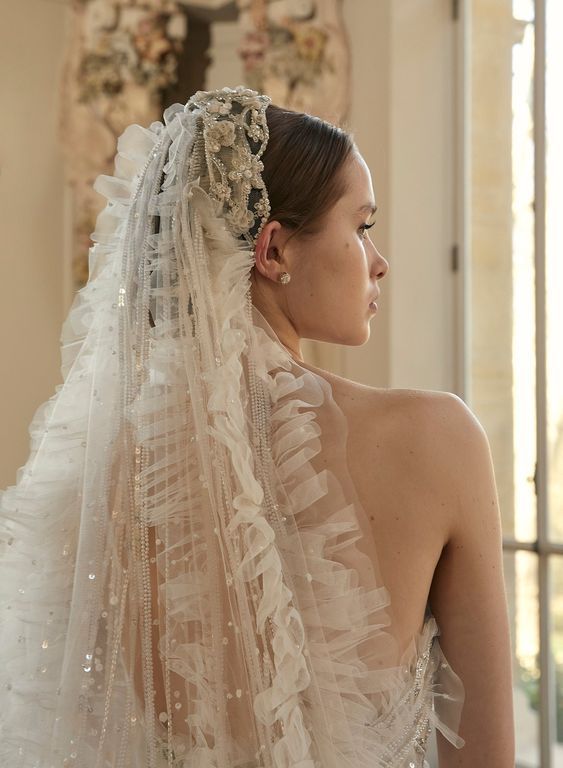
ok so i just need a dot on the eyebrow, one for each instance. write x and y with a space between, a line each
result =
368 207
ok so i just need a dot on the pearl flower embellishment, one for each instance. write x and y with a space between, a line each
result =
235 133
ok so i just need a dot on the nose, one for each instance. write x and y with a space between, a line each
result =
384 269
380 264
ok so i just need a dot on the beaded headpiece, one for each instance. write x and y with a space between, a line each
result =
235 135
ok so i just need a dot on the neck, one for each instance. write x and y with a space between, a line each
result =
281 326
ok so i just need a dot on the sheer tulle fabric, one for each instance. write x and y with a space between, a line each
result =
183 578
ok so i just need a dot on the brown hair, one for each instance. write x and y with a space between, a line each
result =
303 161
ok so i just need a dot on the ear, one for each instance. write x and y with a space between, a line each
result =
268 251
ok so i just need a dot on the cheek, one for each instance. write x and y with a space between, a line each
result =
335 267
345 254
352 261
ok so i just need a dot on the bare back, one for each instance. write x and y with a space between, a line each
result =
422 467
407 514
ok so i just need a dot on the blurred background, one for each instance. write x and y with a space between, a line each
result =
456 107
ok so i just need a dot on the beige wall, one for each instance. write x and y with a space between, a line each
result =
404 57
494 32
403 122
369 26
422 195
32 36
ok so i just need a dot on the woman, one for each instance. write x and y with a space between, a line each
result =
214 555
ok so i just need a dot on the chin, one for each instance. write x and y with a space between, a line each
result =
358 338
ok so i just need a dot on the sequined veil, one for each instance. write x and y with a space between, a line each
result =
185 578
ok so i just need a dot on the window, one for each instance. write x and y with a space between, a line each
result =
515 349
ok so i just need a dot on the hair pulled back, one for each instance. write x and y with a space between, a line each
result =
303 164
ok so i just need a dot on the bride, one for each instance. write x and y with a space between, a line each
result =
217 554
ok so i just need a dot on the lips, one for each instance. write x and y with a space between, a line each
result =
373 306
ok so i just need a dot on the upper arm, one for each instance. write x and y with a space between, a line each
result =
468 596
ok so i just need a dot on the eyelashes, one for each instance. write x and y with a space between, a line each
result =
364 227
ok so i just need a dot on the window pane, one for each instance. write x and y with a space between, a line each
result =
523 281
521 575
556 612
554 264
523 9
502 276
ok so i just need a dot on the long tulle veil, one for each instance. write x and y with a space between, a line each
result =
183 577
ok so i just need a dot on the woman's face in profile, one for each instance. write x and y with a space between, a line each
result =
335 274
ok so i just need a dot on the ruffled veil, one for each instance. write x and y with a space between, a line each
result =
184 576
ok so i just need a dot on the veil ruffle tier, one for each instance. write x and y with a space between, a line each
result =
183 578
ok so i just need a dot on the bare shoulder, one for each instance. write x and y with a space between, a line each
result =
409 444
436 425
467 594
453 446
425 409
424 441
446 447
429 451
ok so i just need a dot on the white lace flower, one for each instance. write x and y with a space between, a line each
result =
214 106
262 207
241 219
221 191
220 134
